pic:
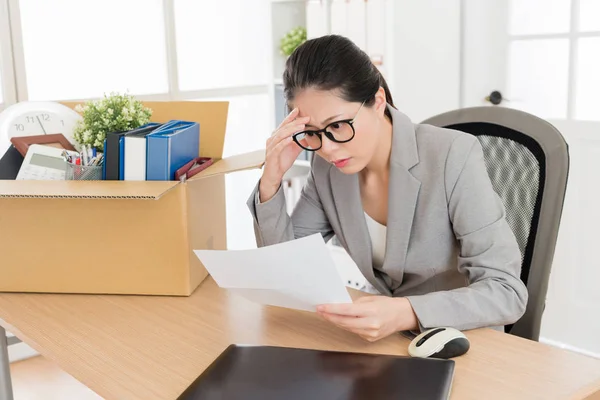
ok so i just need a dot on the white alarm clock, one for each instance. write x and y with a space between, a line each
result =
30 118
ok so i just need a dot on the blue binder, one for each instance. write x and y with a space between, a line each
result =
170 147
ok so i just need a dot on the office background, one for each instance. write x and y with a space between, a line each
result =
437 55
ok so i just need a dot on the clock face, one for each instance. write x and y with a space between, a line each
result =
36 118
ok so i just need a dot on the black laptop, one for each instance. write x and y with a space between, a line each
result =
268 373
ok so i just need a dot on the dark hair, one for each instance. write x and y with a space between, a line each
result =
334 62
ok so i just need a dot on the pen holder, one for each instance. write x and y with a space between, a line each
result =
83 172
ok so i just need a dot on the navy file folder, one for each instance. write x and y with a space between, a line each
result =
111 155
170 147
10 163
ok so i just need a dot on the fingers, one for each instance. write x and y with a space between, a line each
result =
277 144
288 130
281 145
294 126
370 336
353 323
367 328
290 117
357 309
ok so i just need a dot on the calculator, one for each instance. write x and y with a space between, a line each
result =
43 163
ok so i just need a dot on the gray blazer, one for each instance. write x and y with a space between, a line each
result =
449 249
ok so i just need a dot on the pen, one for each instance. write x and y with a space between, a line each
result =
84 154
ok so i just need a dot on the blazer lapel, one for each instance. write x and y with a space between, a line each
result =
355 234
402 202
403 194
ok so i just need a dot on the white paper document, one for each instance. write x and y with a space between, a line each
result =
297 274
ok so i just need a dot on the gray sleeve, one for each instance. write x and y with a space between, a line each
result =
489 254
273 225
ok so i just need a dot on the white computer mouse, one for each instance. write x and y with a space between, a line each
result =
439 343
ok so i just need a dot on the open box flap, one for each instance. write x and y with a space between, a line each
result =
211 115
151 190
241 162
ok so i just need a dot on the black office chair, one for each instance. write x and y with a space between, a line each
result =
527 160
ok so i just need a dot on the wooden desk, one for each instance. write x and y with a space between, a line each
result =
134 347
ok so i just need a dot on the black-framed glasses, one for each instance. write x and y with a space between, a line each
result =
341 131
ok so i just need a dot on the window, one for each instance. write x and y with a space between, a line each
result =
248 123
156 49
538 76
1 88
222 43
83 49
4 56
554 58
589 13
587 106
532 17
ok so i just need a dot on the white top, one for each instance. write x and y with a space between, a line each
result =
378 233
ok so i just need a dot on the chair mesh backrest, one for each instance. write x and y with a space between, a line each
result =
516 166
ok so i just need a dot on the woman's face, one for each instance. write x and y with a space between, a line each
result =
325 107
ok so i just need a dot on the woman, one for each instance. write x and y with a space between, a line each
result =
412 204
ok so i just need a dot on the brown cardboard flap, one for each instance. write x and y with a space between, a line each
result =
206 222
151 190
241 162
211 115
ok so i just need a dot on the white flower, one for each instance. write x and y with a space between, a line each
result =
114 111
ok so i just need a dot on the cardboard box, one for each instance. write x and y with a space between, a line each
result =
120 237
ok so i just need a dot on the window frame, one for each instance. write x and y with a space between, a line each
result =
573 36
19 79
7 70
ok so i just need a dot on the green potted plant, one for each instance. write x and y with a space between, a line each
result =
113 113
292 40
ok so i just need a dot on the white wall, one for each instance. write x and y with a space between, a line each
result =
572 316
240 227
483 50
424 48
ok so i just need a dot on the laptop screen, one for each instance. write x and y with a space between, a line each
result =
266 372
